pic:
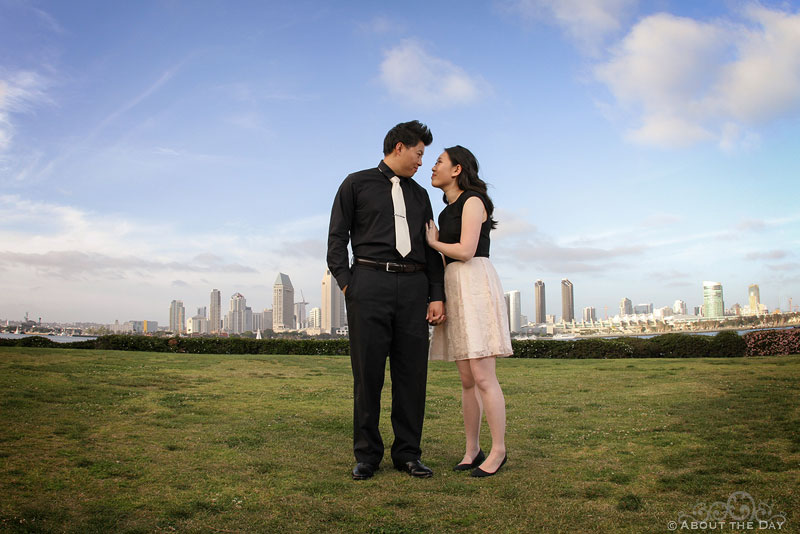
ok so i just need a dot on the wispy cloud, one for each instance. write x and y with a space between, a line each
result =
133 102
767 255
78 265
20 92
588 23
382 25
788 266
416 78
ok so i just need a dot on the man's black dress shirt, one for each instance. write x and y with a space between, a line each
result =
363 214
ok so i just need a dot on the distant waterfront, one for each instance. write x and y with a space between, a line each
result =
573 337
701 333
57 339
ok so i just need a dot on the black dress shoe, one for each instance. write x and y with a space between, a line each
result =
479 458
415 468
480 473
363 471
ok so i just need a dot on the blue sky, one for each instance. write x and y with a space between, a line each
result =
152 151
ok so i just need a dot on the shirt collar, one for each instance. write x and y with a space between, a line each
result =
384 168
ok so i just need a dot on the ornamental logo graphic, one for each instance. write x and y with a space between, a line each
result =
740 512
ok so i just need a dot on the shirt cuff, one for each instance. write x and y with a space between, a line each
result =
436 292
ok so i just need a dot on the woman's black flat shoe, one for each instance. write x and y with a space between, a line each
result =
475 463
480 473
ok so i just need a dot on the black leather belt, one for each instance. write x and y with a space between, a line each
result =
391 267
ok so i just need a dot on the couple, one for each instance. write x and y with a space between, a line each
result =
396 286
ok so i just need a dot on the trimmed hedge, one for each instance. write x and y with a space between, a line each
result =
580 349
218 345
726 344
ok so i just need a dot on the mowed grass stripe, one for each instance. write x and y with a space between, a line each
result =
104 441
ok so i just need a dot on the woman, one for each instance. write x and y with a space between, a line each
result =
476 331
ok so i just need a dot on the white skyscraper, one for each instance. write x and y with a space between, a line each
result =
589 314
679 308
177 317
282 304
197 325
315 318
240 317
332 308
625 307
216 312
514 311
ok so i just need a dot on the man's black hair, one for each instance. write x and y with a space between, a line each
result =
409 133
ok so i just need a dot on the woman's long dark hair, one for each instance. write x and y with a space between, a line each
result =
468 179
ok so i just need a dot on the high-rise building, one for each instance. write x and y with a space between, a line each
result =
177 317
216 312
315 318
643 309
589 314
567 301
662 313
541 311
266 319
202 311
197 325
679 308
514 311
299 315
239 320
282 304
332 309
755 299
625 307
713 304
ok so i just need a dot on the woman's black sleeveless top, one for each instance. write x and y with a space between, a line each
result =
450 225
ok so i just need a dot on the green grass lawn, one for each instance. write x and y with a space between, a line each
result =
102 441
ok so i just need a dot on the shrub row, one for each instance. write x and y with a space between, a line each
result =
194 345
724 345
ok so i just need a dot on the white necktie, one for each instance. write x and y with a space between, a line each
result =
401 237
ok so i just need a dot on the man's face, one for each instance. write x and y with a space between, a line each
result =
409 159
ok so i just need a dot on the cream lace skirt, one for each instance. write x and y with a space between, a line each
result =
477 321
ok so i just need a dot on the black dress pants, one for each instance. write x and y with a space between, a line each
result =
386 317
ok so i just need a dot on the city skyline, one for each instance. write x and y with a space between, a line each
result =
330 317
143 161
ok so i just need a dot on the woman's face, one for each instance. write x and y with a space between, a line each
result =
444 172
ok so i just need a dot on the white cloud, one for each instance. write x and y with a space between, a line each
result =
588 23
65 250
683 81
419 79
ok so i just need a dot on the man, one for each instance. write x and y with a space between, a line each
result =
394 288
